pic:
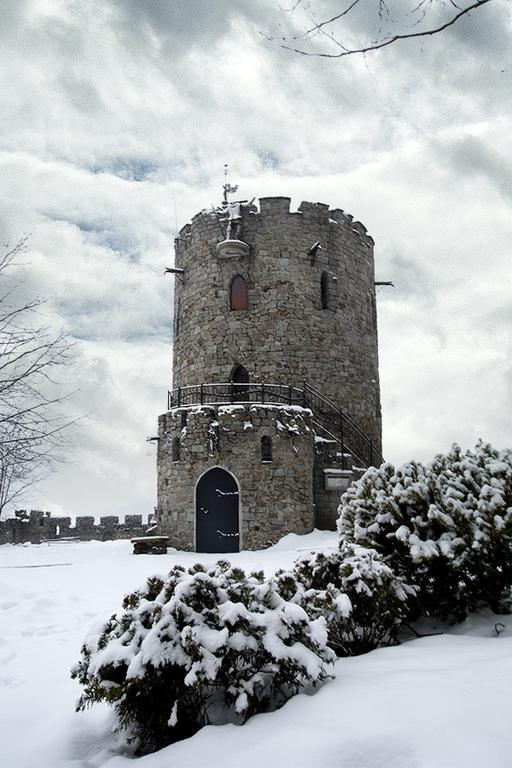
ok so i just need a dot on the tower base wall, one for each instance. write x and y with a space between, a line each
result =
268 449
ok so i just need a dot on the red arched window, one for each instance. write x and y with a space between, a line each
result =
238 298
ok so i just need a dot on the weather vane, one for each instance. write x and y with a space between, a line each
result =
227 187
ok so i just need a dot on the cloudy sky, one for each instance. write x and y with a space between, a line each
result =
117 118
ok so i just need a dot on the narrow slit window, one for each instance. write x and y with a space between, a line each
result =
176 449
266 448
324 290
177 319
373 309
238 296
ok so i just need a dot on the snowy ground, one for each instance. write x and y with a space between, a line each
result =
437 702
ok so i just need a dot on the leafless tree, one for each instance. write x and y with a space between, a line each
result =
391 21
33 426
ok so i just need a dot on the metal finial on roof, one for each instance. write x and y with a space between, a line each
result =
228 188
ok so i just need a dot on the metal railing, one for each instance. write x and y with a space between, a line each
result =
233 392
327 414
335 421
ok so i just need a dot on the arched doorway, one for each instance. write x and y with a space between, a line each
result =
240 379
217 512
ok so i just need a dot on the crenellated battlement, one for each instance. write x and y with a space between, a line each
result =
274 212
36 525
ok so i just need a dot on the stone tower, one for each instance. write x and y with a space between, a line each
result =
275 374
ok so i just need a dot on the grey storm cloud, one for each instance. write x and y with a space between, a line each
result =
491 36
191 23
410 279
474 156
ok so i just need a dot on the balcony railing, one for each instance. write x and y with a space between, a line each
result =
234 392
326 414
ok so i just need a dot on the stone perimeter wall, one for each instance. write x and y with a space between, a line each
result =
285 336
276 497
35 526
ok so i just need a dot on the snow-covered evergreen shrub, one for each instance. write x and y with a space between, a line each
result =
362 600
201 646
445 527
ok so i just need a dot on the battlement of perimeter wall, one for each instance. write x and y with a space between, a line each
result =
36 526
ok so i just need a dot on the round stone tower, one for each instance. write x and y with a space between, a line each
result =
274 324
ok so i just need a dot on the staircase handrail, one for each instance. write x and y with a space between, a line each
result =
345 423
336 408
346 445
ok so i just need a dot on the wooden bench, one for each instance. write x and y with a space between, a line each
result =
150 545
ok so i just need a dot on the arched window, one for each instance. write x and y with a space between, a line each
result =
324 290
266 448
240 378
238 298
176 449
240 375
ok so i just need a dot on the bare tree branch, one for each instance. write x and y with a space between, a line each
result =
33 427
322 24
422 9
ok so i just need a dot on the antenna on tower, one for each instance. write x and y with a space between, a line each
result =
227 188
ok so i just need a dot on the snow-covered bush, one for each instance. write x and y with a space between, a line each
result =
202 646
445 527
362 600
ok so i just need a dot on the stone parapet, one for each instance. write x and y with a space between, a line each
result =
36 526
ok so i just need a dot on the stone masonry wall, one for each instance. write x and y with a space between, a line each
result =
327 501
285 336
276 497
36 526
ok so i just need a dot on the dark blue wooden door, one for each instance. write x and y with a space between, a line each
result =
217 512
